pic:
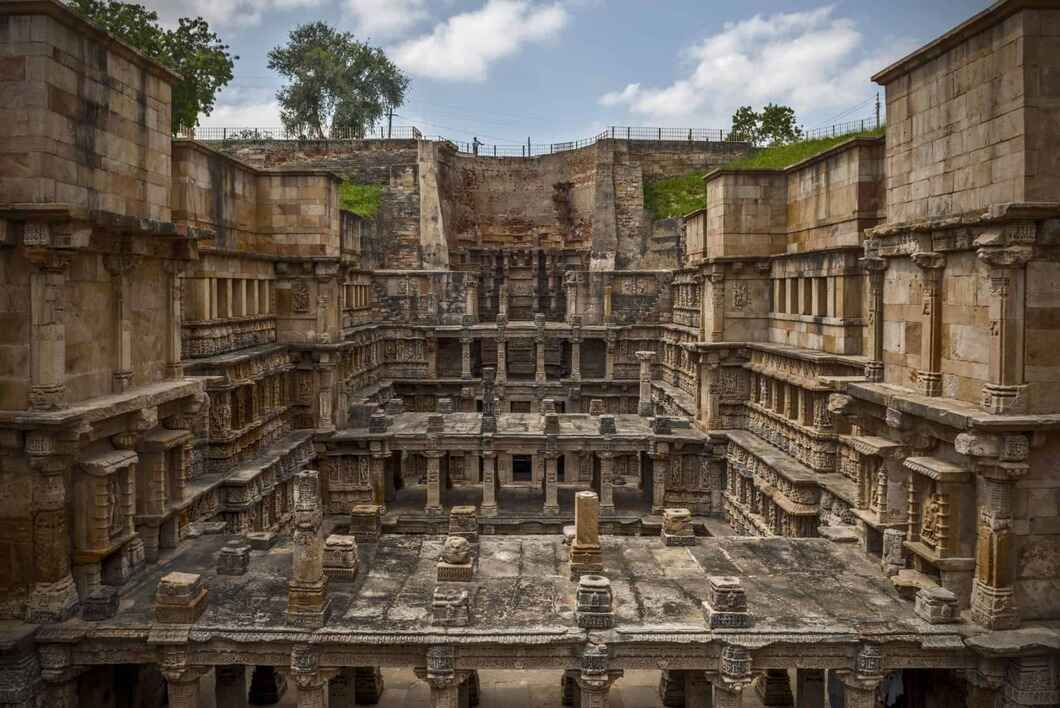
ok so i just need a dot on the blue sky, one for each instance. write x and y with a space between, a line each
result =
558 70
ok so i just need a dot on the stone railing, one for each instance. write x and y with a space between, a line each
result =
210 337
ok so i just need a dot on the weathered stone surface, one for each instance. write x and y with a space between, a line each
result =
180 598
234 558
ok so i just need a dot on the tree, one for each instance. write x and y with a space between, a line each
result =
778 125
774 125
336 84
191 50
745 125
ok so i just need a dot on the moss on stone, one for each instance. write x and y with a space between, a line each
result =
361 199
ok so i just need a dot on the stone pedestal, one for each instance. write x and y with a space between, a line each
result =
677 528
463 522
936 606
726 603
233 558
180 598
366 523
644 404
340 558
457 561
450 607
593 609
585 554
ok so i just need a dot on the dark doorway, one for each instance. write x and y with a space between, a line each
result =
520 406
561 471
522 468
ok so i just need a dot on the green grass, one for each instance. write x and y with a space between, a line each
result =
675 196
361 199
781 156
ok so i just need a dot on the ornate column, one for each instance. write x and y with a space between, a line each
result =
54 597
876 267
182 686
710 382
929 376
471 298
570 283
609 361
174 318
985 683
644 405
993 603
714 305
502 295
861 684
119 265
660 456
733 676
326 368
607 479
489 477
58 672
502 349
312 681
576 348
595 678
430 351
551 454
1006 392
48 327
434 476
465 349
539 341
307 589
442 677
377 474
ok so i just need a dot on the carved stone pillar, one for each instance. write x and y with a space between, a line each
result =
607 481
465 356
876 267
325 419
595 678
570 284
54 597
311 680
1006 392
859 691
489 481
576 358
551 479
993 602
540 339
609 361
644 405
929 377
502 298
48 326
119 265
60 677
182 686
714 306
430 352
307 589
502 351
230 686
442 677
434 481
377 474
660 457
174 318
710 382
733 676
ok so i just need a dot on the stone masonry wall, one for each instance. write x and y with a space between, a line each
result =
86 119
974 123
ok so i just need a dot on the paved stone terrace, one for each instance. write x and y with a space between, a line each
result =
794 586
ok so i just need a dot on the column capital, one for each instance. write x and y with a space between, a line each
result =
873 264
1006 257
930 261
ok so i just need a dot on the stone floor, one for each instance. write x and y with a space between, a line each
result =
502 689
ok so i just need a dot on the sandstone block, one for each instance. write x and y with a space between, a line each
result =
366 523
340 557
234 558
180 598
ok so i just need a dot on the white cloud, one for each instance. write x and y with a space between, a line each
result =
462 47
807 60
223 13
264 114
386 18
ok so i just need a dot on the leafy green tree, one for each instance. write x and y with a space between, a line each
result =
774 125
745 125
778 126
191 49
336 84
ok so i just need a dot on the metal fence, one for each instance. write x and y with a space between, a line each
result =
527 149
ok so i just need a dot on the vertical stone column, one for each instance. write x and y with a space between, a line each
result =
307 589
1006 392
860 685
182 686
430 351
644 404
471 298
502 349
230 686
585 556
576 348
434 477
570 284
539 341
607 481
502 296
876 267
595 678
929 377
311 680
714 305
551 455
442 677
710 383
47 324
174 318
54 597
660 457
993 603
326 368
465 347
489 477
119 265
733 676
377 473
609 361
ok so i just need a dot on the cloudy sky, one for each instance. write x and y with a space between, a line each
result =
556 70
